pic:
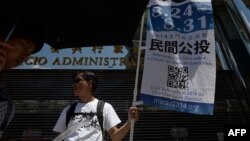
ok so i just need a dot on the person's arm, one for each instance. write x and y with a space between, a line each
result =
3 52
118 134
5 45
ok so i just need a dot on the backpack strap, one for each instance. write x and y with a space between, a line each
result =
99 113
70 112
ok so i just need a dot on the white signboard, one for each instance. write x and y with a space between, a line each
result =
96 57
180 64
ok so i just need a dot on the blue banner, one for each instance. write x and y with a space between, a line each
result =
180 64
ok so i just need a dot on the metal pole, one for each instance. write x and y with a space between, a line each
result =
136 78
12 30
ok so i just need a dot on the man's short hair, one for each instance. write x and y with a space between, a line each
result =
29 29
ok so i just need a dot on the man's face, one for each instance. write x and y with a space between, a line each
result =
20 50
81 85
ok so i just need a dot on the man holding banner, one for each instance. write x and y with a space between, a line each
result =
181 49
85 124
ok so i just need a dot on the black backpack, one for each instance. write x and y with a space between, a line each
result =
99 114
7 107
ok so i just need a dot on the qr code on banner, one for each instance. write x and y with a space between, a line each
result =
177 77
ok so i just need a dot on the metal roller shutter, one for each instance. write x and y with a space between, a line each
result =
40 95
